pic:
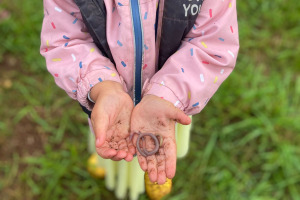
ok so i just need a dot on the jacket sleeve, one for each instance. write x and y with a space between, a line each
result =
71 56
204 60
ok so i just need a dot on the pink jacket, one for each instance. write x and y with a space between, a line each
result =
189 77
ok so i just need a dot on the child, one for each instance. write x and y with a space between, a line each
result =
140 66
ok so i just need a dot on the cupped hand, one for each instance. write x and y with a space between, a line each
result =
111 121
157 116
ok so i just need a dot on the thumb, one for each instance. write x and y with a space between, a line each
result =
181 117
100 126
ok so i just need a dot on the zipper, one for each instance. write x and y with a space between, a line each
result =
138 52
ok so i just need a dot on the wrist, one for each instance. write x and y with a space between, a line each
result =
104 88
153 98
167 94
153 102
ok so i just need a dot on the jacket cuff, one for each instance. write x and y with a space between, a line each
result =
91 79
164 92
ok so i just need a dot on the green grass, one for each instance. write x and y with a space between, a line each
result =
245 143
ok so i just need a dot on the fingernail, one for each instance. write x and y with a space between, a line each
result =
97 142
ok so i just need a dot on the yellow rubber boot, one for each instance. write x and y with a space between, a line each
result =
155 191
93 167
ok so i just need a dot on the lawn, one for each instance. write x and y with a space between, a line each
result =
245 143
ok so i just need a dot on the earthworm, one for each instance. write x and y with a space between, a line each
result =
143 150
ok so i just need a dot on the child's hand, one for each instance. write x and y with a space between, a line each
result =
158 116
111 120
